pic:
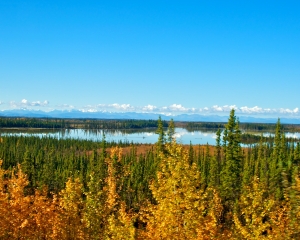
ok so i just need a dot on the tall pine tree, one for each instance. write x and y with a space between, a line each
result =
231 171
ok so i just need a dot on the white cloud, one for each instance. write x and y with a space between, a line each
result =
25 102
177 107
255 109
217 108
174 109
117 106
170 110
149 108
122 106
291 111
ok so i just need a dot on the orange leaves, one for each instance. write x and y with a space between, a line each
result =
4 205
181 208
66 216
19 212
23 217
44 211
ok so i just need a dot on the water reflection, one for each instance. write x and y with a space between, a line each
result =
294 135
136 136
145 136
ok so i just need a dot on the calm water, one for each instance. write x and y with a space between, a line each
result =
141 136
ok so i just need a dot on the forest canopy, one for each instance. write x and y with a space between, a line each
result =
75 189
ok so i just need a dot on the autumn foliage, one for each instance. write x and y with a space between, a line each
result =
173 193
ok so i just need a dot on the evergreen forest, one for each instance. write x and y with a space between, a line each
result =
78 189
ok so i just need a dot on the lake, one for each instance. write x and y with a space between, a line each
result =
145 136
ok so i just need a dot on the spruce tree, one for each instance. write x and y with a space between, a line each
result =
161 135
205 168
171 131
276 164
103 147
231 172
191 153
28 168
215 167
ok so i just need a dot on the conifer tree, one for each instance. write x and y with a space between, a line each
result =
206 168
171 131
28 167
215 167
224 145
103 147
297 154
262 168
276 164
161 135
247 170
191 153
231 171
213 180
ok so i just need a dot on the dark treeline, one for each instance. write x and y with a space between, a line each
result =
248 138
244 126
6 122
58 123
66 123
170 191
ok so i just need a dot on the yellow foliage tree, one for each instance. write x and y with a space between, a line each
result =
118 222
21 216
181 209
4 206
252 218
295 208
94 218
44 213
19 210
286 217
70 219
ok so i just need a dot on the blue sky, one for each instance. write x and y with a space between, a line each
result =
162 56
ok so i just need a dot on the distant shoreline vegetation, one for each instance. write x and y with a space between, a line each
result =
83 123
64 188
65 123
249 136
